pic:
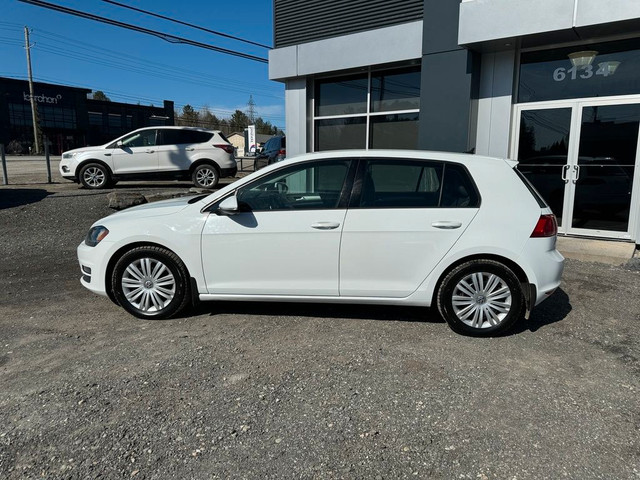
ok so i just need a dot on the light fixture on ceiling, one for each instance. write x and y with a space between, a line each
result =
609 68
582 58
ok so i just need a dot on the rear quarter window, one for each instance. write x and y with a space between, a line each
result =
531 189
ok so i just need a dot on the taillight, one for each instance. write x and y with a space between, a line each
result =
546 227
282 152
225 147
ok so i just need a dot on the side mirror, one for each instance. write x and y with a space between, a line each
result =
229 206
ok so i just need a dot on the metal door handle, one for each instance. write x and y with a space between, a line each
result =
576 169
445 225
325 225
565 170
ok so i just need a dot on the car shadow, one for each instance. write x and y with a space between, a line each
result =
322 310
552 310
16 197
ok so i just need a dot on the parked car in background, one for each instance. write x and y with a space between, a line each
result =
203 156
274 150
465 233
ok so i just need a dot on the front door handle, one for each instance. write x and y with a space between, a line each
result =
190 149
149 151
445 225
325 225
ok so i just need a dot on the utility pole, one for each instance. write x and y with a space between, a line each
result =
34 110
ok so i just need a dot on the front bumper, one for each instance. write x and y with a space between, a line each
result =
93 266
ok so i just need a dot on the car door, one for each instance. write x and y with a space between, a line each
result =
286 238
136 153
176 147
402 220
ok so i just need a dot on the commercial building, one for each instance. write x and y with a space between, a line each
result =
68 118
552 83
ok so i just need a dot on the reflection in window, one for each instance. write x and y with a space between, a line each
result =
551 75
395 91
301 187
340 133
344 96
394 131
145 138
343 119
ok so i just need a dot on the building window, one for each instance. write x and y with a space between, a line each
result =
378 109
95 118
582 71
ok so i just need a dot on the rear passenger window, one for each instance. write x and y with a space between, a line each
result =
458 190
401 183
179 137
416 184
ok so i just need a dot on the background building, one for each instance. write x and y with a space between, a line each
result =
68 118
552 83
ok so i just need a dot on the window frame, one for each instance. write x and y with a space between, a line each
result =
344 195
356 191
367 115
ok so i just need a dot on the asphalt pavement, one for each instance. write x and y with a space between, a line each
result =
238 390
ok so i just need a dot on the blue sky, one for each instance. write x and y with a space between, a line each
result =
133 67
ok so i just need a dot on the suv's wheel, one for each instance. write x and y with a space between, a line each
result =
151 283
205 176
95 176
481 298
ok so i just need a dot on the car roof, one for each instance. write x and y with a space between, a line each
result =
174 127
463 158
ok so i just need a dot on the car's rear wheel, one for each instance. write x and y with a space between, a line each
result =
205 176
481 298
151 283
95 176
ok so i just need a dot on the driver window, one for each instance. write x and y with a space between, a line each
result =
146 138
310 186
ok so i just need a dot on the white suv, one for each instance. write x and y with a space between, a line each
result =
204 156
463 232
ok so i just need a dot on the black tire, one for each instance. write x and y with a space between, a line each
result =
205 175
488 298
153 292
95 176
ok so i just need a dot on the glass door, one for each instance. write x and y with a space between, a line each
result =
601 177
582 158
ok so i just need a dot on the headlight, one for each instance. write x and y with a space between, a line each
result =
67 156
95 235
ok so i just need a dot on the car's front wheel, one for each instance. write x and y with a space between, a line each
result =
205 176
95 176
151 283
481 298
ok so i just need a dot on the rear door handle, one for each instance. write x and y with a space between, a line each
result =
444 225
325 225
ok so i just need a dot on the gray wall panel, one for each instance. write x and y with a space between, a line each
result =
301 21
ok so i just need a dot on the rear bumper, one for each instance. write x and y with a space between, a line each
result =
545 267
228 172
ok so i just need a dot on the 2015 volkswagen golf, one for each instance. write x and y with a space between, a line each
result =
463 232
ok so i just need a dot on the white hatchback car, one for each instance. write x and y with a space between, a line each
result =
463 232
204 156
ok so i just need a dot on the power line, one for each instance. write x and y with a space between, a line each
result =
157 15
164 36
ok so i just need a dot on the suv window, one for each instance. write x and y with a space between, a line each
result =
172 136
310 186
145 138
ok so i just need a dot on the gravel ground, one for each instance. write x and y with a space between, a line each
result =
236 390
